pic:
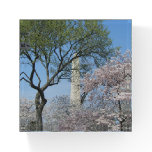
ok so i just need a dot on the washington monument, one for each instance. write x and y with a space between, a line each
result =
75 83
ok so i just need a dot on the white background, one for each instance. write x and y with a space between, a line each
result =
139 140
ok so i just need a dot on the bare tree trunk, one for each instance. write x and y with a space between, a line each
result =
83 96
121 126
39 109
120 116
39 123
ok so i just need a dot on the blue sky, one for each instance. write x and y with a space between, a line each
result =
120 33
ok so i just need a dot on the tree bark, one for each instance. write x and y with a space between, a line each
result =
120 115
121 126
83 96
39 109
39 123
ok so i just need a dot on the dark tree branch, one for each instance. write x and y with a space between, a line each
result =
28 56
38 78
83 96
25 75
25 80
58 71
57 55
60 50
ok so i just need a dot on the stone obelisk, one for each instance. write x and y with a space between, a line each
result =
75 83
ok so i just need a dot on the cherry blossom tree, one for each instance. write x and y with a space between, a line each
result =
111 83
59 115
27 115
